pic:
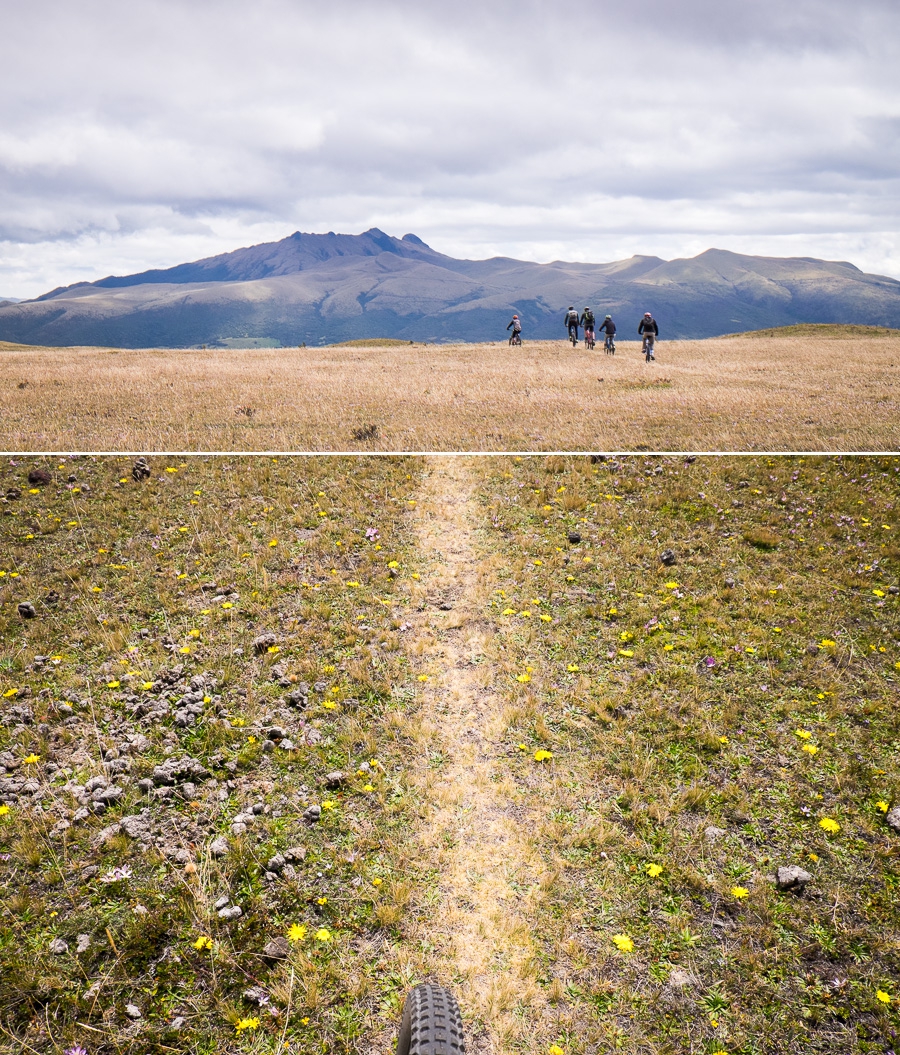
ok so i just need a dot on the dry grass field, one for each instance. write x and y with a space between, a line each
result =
814 389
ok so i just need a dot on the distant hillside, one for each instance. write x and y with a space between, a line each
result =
315 289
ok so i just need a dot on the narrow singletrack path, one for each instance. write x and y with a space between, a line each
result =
474 836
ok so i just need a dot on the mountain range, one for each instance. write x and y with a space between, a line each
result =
325 288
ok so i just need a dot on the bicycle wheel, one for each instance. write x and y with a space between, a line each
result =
432 1024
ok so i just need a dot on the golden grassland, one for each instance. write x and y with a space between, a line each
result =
830 390
573 762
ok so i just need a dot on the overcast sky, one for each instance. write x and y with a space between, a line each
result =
148 133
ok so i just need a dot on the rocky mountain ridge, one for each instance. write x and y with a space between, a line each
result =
324 288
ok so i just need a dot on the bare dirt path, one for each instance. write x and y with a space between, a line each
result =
473 837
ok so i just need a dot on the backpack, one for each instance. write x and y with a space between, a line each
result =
589 318
517 326
572 316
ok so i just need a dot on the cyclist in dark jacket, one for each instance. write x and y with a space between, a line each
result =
649 330
572 321
608 327
516 328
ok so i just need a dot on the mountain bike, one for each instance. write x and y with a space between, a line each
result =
515 338
647 347
609 344
431 1024
573 335
589 338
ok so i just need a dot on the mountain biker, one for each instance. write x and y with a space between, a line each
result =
516 328
649 329
609 328
587 322
572 321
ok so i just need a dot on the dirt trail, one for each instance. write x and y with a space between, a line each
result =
473 836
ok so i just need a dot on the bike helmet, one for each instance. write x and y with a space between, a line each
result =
609 316
647 315
515 316
587 308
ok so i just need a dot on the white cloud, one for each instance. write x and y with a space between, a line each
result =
143 135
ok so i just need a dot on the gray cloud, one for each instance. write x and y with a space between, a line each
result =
142 135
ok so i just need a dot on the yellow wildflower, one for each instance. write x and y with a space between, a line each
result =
243 1023
623 943
739 892
323 934
296 932
31 759
654 870
203 943
542 755
829 825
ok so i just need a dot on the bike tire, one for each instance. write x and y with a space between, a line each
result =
431 1024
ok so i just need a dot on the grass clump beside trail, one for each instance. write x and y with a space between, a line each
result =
201 742
702 670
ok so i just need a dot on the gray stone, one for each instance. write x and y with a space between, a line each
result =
222 901
713 834
230 913
792 877
26 610
295 853
276 949
312 814
177 1024
286 744
133 1011
136 826
84 943
58 947
219 847
275 732
335 779
893 819
264 642
276 863
667 557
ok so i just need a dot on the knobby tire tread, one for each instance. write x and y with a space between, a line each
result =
432 1023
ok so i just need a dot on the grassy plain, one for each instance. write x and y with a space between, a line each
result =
832 389
571 770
